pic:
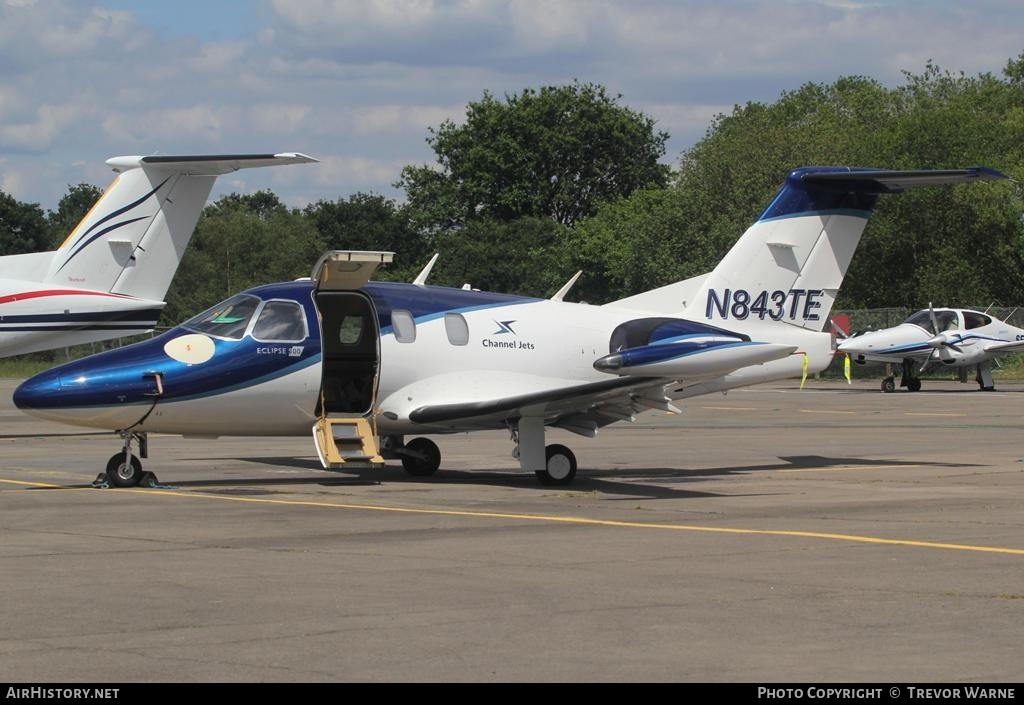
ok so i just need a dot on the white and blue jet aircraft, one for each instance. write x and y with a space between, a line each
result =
954 338
109 277
365 364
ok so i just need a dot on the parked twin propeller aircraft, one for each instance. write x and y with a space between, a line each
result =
109 277
954 338
364 364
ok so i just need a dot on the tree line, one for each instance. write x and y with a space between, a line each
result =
533 186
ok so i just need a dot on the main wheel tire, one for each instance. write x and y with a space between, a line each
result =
429 461
914 384
888 385
561 466
120 474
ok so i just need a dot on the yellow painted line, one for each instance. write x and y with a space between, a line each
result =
731 408
37 484
923 413
581 521
818 411
832 468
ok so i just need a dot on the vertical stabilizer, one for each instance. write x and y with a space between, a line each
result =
788 266
132 240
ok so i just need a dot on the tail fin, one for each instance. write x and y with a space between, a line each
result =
788 266
134 237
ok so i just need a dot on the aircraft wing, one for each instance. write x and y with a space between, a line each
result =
483 399
1007 347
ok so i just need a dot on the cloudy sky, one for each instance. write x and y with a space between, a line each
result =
356 83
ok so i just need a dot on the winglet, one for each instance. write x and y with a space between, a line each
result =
421 278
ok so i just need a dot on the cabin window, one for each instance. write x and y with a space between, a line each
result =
404 326
973 319
457 329
228 319
350 330
280 322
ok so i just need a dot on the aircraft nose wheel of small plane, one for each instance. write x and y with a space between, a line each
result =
122 474
423 459
561 466
914 384
888 385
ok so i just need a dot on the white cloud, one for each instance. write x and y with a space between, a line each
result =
358 83
39 133
348 174
281 117
200 123
216 56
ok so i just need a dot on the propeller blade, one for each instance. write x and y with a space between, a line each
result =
935 323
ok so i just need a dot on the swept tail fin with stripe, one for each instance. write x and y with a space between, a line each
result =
133 239
109 277
788 266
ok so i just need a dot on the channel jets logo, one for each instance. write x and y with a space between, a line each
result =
505 328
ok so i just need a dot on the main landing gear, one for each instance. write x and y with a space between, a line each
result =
553 465
560 468
420 457
909 379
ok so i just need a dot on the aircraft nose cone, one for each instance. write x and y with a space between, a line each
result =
37 392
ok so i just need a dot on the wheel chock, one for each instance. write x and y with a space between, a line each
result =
150 480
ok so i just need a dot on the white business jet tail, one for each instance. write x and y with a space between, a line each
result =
132 240
788 266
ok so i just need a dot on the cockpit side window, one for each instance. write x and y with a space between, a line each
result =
280 322
922 319
228 319
947 320
973 319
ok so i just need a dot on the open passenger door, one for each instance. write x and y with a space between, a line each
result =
345 429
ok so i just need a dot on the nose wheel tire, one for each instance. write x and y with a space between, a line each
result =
424 458
888 385
121 474
561 466
914 384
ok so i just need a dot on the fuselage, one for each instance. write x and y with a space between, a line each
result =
36 316
231 372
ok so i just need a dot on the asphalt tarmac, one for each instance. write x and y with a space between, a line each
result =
830 534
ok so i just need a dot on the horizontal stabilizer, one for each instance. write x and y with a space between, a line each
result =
879 181
209 164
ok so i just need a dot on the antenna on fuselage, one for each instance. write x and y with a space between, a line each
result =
560 294
421 278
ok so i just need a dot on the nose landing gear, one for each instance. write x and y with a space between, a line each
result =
125 469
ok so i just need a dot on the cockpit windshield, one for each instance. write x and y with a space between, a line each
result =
228 319
946 320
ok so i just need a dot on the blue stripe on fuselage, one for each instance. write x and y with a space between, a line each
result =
124 375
